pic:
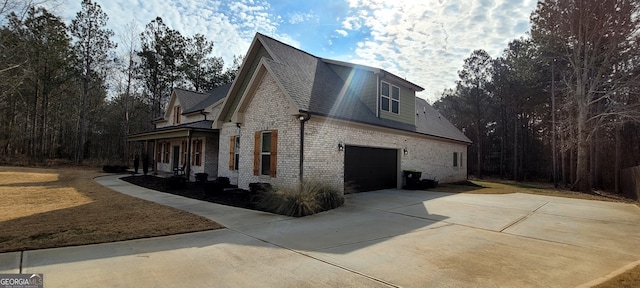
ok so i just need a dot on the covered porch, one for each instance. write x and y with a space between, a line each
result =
186 150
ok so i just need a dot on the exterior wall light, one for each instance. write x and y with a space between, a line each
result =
340 146
405 151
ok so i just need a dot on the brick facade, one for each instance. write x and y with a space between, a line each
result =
269 110
323 160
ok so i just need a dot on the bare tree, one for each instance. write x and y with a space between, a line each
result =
598 40
92 46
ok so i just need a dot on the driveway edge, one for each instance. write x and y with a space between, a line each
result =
609 276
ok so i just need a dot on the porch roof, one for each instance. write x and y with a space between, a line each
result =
197 129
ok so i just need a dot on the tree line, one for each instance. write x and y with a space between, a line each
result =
68 92
561 104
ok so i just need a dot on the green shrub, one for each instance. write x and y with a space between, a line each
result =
310 198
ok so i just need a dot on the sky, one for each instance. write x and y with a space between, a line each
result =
424 42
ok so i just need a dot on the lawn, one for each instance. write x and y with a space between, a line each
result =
505 187
45 208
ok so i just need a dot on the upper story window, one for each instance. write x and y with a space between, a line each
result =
390 98
177 111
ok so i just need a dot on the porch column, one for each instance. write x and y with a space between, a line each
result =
188 168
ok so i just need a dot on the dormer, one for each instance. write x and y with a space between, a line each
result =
385 94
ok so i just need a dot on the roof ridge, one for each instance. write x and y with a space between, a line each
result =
188 90
290 46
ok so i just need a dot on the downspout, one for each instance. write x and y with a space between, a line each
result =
303 119
204 114
187 171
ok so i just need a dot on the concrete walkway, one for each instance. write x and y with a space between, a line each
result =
382 238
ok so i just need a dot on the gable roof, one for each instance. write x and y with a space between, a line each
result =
316 88
187 98
212 97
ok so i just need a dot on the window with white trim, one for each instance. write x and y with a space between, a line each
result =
265 154
177 111
166 152
389 98
197 153
236 154
184 153
455 159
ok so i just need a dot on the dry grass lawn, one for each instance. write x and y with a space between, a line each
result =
45 208
629 279
506 187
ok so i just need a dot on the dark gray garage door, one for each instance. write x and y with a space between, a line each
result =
368 169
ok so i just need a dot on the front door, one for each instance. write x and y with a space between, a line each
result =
176 156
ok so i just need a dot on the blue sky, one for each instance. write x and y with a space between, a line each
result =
425 42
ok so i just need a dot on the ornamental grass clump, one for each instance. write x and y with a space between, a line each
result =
309 198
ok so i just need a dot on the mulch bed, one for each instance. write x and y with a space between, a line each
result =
197 190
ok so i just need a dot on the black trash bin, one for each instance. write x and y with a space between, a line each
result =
411 179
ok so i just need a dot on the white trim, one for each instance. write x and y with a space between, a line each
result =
258 76
389 97
262 153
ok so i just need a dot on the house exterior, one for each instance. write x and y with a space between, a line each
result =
290 116
183 138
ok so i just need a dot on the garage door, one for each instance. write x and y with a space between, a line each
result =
367 169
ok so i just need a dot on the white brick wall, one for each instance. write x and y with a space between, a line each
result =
324 161
268 110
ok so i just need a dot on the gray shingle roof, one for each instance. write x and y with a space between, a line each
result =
212 96
318 89
188 99
430 121
203 124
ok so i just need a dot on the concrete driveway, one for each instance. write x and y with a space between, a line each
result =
382 238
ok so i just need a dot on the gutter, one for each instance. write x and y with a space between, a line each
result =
303 119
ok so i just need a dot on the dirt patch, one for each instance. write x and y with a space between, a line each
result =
47 208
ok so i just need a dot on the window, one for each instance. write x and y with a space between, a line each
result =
455 159
234 152
184 153
166 147
197 153
389 98
236 156
176 114
265 153
159 149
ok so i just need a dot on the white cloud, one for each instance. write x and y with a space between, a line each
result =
299 17
351 23
342 32
427 41
231 25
